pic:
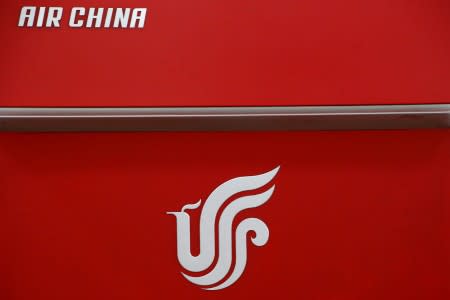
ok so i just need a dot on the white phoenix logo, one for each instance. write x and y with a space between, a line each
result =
216 199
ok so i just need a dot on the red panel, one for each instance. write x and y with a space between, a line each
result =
233 52
355 215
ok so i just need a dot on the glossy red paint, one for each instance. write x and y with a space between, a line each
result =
233 52
355 215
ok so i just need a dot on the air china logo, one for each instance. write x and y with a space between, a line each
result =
217 278
82 17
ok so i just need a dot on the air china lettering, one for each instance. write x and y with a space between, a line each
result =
93 17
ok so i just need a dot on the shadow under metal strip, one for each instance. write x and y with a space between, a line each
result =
225 118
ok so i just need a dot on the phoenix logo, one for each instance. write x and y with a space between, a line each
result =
217 278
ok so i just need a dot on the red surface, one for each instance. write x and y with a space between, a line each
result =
355 215
233 52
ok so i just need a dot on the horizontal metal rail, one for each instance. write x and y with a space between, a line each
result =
362 117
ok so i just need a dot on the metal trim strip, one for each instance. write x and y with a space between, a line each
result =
360 117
